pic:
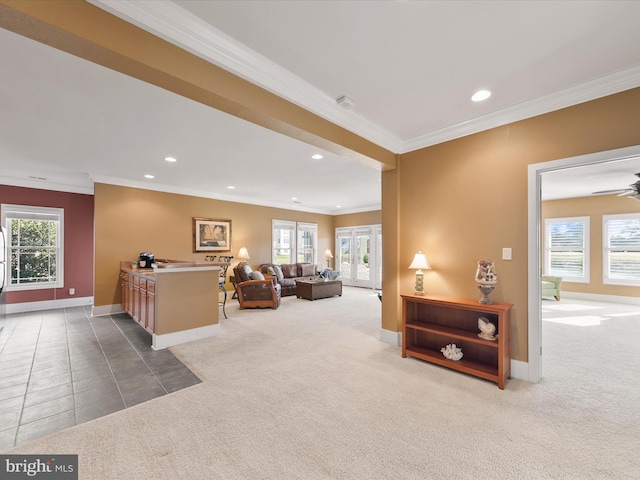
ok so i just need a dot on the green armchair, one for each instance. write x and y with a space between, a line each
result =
551 286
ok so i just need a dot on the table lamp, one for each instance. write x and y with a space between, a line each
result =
328 256
419 262
243 255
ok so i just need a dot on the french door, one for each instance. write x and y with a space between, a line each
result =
359 256
343 258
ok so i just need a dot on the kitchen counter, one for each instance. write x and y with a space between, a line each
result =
176 301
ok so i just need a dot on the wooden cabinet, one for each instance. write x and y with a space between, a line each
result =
138 299
176 301
431 322
124 291
129 307
151 306
142 310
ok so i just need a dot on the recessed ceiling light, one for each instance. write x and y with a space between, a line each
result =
149 176
231 187
338 206
481 95
317 156
294 198
171 159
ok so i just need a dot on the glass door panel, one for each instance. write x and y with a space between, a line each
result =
343 257
363 249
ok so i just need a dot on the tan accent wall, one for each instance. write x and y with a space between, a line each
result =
391 304
594 208
200 308
464 200
130 220
358 219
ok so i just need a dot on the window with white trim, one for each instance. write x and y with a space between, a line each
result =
307 242
294 242
621 249
284 241
35 238
566 248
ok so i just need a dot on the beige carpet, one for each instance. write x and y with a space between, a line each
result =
309 392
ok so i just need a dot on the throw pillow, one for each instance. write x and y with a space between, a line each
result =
308 270
279 273
290 270
257 276
245 271
271 271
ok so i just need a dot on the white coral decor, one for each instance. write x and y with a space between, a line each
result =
452 352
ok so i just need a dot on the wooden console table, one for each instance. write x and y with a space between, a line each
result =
431 322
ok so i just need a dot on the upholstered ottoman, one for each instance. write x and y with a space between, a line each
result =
314 290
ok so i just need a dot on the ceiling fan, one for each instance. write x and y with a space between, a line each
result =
632 191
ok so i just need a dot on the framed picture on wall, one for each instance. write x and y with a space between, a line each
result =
211 235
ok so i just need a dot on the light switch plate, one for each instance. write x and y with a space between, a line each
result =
506 254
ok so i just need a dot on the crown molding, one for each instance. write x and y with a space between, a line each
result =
45 185
584 92
158 187
176 25
173 23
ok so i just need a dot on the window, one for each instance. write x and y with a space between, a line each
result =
307 240
566 244
294 242
621 255
35 238
284 234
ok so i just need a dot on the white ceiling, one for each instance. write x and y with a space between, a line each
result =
410 66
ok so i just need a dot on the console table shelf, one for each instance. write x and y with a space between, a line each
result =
433 321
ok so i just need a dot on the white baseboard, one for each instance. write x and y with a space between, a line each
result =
48 304
158 342
106 310
519 370
392 338
596 297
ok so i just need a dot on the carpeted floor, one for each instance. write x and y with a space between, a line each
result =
309 392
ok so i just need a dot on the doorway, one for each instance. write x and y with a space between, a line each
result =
535 172
359 256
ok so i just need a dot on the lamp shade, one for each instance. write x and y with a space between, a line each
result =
420 262
327 254
243 254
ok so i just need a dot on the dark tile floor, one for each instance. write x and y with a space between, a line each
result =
60 368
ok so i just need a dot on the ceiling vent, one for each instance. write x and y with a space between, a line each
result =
346 103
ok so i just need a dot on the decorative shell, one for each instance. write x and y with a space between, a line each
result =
487 329
452 352
485 274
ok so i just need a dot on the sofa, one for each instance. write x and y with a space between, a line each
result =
287 274
551 286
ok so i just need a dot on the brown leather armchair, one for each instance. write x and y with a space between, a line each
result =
256 293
